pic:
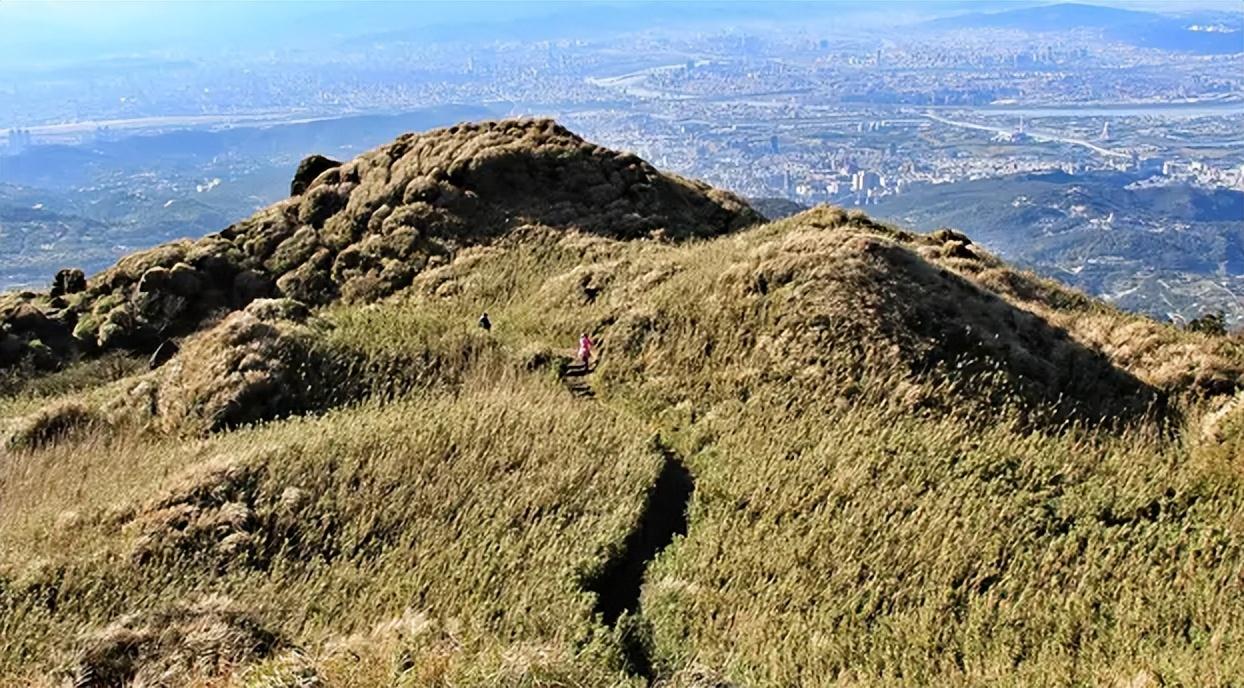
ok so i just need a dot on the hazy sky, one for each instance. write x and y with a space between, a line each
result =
37 32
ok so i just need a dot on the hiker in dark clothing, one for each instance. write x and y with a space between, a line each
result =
485 323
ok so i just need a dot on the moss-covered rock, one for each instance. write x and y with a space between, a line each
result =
310 168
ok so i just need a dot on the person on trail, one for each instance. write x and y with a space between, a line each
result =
485 323
585 350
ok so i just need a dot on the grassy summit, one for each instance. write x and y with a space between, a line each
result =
819 451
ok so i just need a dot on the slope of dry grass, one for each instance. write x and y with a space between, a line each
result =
920 551
481 510
902 477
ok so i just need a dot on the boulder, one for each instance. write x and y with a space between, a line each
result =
249 285
154 280
184 280
68 281
310 168
28 323
272 310
11 349
27 318
319 204
117 329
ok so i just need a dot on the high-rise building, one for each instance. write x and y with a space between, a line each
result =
17 140
865 181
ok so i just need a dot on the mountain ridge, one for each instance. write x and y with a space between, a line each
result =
822 450
364 228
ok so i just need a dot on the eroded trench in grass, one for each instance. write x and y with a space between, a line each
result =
618 585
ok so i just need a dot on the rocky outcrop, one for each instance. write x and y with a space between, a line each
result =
363 229
35 331
68 281
311 167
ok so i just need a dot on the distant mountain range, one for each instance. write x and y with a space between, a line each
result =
1207 33
46 40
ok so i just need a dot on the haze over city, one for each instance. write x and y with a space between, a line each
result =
810 102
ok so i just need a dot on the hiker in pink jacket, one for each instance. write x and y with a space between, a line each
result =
585 350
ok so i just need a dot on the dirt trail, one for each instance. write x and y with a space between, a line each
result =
575 380
619 584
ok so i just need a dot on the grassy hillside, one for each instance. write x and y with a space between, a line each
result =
820 451
1172 251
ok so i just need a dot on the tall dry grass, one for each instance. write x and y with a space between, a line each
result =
482 509
868 510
